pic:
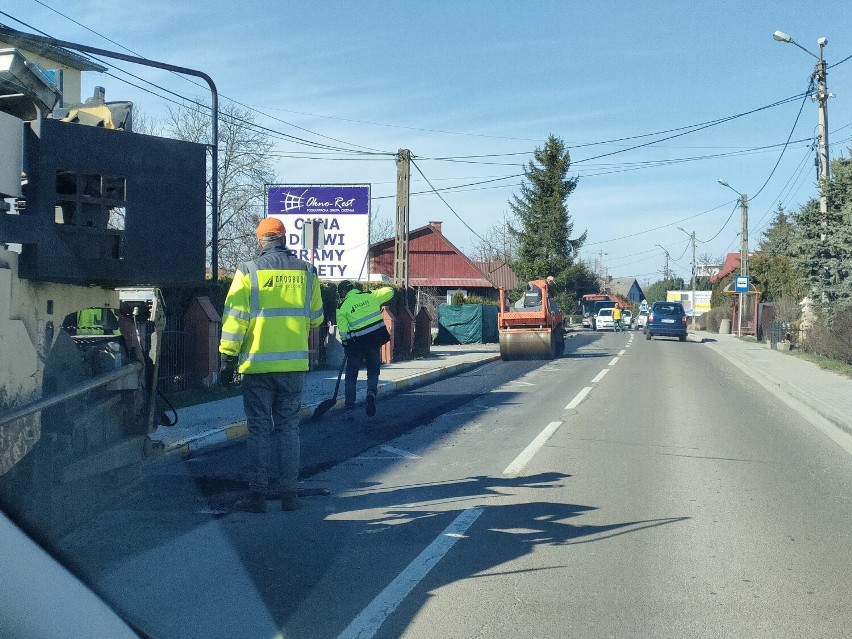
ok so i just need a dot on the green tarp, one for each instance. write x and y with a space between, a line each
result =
467 324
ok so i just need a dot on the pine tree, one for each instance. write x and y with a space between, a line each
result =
544 227
822 244
778 236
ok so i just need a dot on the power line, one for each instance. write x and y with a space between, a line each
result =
467 226
657 228
182 97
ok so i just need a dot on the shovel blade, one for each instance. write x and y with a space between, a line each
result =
323 407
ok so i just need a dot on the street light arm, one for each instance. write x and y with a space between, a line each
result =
780 36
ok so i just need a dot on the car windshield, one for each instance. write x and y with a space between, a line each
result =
307 327
668 309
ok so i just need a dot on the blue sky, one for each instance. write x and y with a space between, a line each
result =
494 79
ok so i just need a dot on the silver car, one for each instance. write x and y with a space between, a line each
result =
642 320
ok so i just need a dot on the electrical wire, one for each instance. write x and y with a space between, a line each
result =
191 81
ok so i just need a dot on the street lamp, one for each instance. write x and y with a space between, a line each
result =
692 237
821 96
743 248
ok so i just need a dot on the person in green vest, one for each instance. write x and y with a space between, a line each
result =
362 330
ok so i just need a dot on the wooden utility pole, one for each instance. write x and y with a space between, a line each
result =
403 191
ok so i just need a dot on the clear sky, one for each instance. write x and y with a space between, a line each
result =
492 79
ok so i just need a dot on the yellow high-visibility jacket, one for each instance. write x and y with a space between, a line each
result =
270 308
359 317
616 313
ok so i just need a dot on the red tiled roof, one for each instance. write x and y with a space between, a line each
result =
451 282
732 263
500 274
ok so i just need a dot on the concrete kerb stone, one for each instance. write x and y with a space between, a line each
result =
217 437
778 387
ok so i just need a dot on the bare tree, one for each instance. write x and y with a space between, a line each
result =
382 227
496 244
245 166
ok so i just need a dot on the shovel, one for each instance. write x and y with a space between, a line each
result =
325 405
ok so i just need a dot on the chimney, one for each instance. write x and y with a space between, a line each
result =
437 226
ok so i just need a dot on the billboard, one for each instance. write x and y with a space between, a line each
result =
345 211
702 300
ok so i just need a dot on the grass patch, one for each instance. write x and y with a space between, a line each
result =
824 362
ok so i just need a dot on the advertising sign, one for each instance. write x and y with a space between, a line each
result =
345 212
701 305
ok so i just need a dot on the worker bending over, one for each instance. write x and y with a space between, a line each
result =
363 332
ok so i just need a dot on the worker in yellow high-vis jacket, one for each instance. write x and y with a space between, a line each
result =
272 304
362 330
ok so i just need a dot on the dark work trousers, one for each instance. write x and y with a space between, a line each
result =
272 402
373 359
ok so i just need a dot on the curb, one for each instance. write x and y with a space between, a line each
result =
217 437
777 387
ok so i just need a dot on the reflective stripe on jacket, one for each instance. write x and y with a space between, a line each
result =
270 308
361 313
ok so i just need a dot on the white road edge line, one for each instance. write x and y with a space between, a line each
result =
368 622
578 398
523 459
622 352
613 362
600 376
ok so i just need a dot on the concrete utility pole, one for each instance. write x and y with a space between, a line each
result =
403 192
743 249
821 96
692 237
666 268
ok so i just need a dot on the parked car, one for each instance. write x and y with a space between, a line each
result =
627 319
604 320
667 319
642 320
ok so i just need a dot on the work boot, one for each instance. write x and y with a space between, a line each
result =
371 404
290 501
252 503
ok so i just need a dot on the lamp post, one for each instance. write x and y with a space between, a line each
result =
743 249
821 97
692 237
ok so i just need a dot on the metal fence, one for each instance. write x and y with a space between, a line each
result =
174 374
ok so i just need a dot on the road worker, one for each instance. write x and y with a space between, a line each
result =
270 308
363 332
616 318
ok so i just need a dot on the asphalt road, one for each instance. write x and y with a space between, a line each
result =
665 497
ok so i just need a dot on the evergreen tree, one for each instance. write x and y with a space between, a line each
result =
544 227
823 243
778 236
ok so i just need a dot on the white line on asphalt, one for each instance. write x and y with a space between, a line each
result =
366 624
613 362
578 398
622 351
600 376
400 453
521 460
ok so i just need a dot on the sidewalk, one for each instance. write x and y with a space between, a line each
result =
206 425
828 394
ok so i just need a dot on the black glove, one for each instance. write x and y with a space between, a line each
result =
227 369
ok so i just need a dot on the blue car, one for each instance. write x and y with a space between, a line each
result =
667 319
